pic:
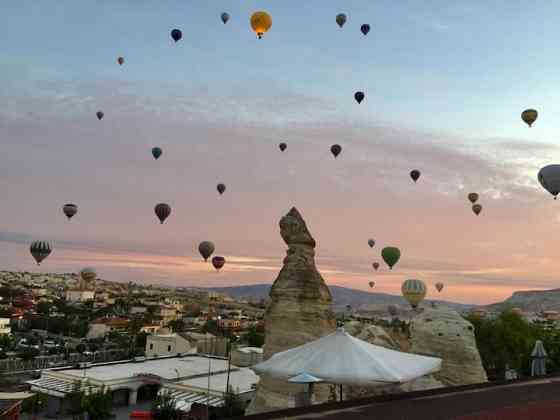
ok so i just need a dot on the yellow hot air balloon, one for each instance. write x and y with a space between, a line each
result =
414 291
261 23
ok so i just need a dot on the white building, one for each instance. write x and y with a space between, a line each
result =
167 344
246 356
76 295
5 326
130 382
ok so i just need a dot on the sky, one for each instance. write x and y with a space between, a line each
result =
444 88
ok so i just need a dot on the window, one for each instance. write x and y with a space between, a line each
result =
151 346
168 348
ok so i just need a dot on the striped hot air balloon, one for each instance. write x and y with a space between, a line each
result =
40 250
414 291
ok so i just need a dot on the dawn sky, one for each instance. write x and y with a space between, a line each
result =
444 85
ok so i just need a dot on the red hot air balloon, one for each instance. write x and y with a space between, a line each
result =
336 149
218 262
375 266
162 211
477 208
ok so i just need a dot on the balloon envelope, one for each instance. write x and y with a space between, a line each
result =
70 210
375 266
365 28
282 146
371 243
261 22
40 250
162 211
218 262
225 17
176 35
341 19
414 291
120 60
359 97
371 284
336 149
549 178
473 197
439 286
221 188
99 115
206 249
156 152
477 208
391 255
415 174
529 116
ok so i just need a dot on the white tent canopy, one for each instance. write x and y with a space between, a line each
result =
339 358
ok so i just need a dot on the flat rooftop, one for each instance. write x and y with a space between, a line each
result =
171 368
513 400
240 380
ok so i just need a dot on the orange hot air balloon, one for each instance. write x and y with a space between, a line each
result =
261 23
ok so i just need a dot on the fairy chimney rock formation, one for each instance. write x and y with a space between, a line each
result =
299 312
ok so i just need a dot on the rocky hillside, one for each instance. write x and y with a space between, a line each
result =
530 301
342 296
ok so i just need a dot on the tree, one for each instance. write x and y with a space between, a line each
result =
177 325
164 407
254 338
98 404
44 308
504 341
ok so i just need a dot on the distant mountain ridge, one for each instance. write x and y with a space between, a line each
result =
530 301
342 296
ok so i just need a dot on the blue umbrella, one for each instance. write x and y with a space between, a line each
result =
538 365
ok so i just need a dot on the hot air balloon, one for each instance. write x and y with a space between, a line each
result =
477 208
162 211
375 266
120 60
473 197
206 249
336 149
218 262
439 286
176 34
261 23
529 116
371 284
221 188
415 174
371 243
391 255
100 115
88 274
359 97
549 178
341 19
156 152
392 309
414 291
70 210
365 28
282 146
40 250
225 17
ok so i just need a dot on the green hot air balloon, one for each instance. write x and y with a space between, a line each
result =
391 255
